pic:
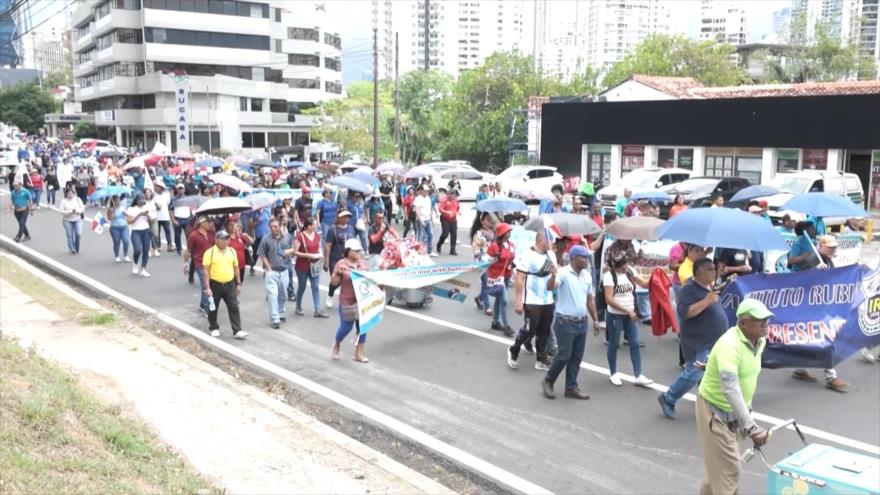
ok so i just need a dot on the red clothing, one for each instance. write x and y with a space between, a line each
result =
407 205
504 254
346 288
197 243
37 181
600 221
237 243
307 246
449 203
662 314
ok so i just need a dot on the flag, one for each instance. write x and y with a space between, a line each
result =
160 149
551 230
148 181
98 223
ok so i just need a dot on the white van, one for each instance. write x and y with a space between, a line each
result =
641 180
843 184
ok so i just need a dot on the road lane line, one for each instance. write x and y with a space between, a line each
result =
489 470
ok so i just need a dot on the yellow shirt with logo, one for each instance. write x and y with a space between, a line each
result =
220 266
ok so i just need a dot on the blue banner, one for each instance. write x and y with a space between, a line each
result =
821 316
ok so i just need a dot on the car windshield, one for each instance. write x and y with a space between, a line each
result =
694 186
791 183
512 173
639 178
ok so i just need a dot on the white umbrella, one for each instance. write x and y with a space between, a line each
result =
136 162
222 206
231 182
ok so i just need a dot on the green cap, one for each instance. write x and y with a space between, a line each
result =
753 308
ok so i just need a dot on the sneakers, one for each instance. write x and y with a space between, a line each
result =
118 259
275 325
665 408
156 253
866 355
547 389
615 380
145 274
642 381
215 333
496 326
511 359
135 269
320 314
240 335
479 303
541 366
329 303
299 312
433 255
127 259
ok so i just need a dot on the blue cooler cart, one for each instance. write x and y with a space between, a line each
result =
819 469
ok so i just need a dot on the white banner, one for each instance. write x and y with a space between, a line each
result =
182 127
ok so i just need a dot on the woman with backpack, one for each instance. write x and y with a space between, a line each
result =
619 285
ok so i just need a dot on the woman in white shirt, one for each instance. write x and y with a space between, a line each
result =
620 317
139 216
162 200
155 243
72 209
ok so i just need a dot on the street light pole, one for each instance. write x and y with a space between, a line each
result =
375 97
396 99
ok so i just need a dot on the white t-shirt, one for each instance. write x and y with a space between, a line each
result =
624 293
423 208
532 262
162 201
72 208
142 222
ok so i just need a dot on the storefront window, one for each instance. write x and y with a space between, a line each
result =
815 159
666 157
686 158
632 157
787 160
599 164
719 166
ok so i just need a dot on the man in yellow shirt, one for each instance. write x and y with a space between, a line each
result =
222 283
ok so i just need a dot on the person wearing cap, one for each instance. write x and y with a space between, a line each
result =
827 248
20 206
139 216
502 252
302 207
424 210
334 247
723 409
179 217
274 253
574 284
352 260
199 240
223 283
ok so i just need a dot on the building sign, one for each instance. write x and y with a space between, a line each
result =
182 125
815 159
633 157
787 161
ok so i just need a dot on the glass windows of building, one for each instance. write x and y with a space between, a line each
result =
256 105
241 72
815 159
242 104
333 87
299 138
332 64
333 40
253 140
748 164
599 164
120 102
303 59
304 34
787 160
221 7
277 139
202 139
204 38
734 162
671 157
632 157
719 162
303 83
278 106
122 35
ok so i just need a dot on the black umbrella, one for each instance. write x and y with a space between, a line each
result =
113 153
262 162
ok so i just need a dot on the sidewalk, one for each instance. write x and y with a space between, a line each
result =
233 434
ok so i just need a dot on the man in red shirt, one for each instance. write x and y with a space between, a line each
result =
449 221
199 241
409 221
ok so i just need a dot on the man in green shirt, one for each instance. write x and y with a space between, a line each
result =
725 398
621 203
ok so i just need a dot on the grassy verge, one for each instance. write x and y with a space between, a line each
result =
42 292
55 438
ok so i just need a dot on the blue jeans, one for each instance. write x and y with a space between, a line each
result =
276 294
686 380
289 291
345 327
50 196
571 337
119 236
484 289
37 194
301 279
616 324
426 235
203 299
499 311
325 228
141 241
643 305
73 229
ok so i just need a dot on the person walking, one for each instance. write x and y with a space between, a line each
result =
724 399
162 200
449 211
20 206
199 240
574 283
52 186
409 213
239 243
179 217
534 299
72 209
118 227
36 187
274 254
139 216
502 252
482 236
702 322
307 249
619 285
348 319
424 209
326 210
223 284
377 233
334 247
155 242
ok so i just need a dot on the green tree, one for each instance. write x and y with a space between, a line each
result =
25 105
709 62
84 129
59 78
423 98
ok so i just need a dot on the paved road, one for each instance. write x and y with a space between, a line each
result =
455 384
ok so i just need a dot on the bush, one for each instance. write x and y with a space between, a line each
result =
84 130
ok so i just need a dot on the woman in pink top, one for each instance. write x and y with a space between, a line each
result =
352 260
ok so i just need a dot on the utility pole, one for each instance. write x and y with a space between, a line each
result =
427 35
396 98
375 97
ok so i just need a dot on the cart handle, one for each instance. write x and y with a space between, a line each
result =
748 454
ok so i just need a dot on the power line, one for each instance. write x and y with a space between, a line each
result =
44 21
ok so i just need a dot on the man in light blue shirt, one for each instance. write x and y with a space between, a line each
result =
575 287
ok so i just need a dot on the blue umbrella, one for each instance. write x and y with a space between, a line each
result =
752 192
352 184
210 162
364 177
108 191
502 205
722 227
820 205
653 195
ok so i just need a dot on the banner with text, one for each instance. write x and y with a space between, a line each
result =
182 126
821 316
448 280
848 250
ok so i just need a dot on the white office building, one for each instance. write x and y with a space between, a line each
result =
616 28
462 34
244 70
723 21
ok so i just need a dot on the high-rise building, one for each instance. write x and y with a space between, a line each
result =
613 29
782 22
851 21
563 34
723 21
215 73
10 41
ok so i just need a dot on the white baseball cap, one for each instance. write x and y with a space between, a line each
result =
354 245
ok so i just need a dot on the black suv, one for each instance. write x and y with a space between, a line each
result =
699 191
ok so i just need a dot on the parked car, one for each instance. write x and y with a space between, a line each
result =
640 180
470 180
100 145
842 184
530 180
699 191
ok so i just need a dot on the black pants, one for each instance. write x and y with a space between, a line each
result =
224 292
449 229
256 245
539 317
179 228
22 217
407 226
